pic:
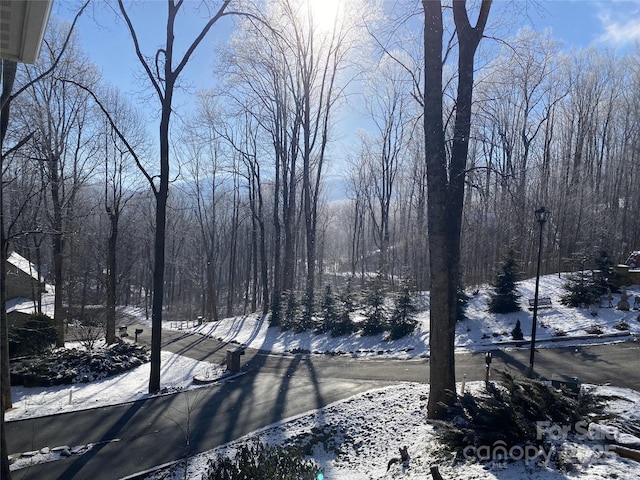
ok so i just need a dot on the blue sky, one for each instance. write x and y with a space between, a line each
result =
605 24
610 24
613 24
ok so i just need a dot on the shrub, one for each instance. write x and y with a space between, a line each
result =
621 325
289 319
508 411
257 461
71 365
33 337
594 330
516 333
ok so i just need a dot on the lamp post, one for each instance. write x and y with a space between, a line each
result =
541 217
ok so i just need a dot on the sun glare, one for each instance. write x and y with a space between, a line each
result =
325 12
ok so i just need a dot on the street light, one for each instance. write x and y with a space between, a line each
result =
541 217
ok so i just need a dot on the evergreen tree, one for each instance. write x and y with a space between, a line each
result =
504 298
376 315
289 320
344 325
348 297
402 321
604 276
329 315
583 289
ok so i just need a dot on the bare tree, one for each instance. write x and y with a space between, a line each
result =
8 70
163 75
446 177
389 105
61 147
118 191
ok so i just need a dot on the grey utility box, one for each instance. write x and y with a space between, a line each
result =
233 359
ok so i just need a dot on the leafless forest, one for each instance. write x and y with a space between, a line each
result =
270 191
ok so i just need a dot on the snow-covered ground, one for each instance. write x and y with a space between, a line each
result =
369 428
481 330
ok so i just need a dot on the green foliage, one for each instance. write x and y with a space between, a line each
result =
306 321
33 337
583 289
604 276
375 319
402 321
348 297
289 320
256 461
508 412
343 324
504 298
516 333
329 315
70 365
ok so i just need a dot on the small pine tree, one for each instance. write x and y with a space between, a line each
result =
306 321
289 319
344 325
516 333
604 276
582 290
504 298
376 315
329 315
402 321
348 297
37 335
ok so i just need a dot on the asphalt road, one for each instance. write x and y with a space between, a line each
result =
137 436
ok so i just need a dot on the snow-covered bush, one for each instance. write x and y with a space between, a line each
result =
516 333
255 460
36 335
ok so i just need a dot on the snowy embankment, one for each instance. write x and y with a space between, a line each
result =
481 330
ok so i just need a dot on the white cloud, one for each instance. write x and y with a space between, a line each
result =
621 25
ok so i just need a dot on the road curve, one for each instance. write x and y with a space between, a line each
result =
140 435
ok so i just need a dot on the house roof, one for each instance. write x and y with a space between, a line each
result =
22 264
22 26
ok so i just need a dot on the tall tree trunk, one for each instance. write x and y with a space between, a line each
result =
161 196
446 189
111 277
58 244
